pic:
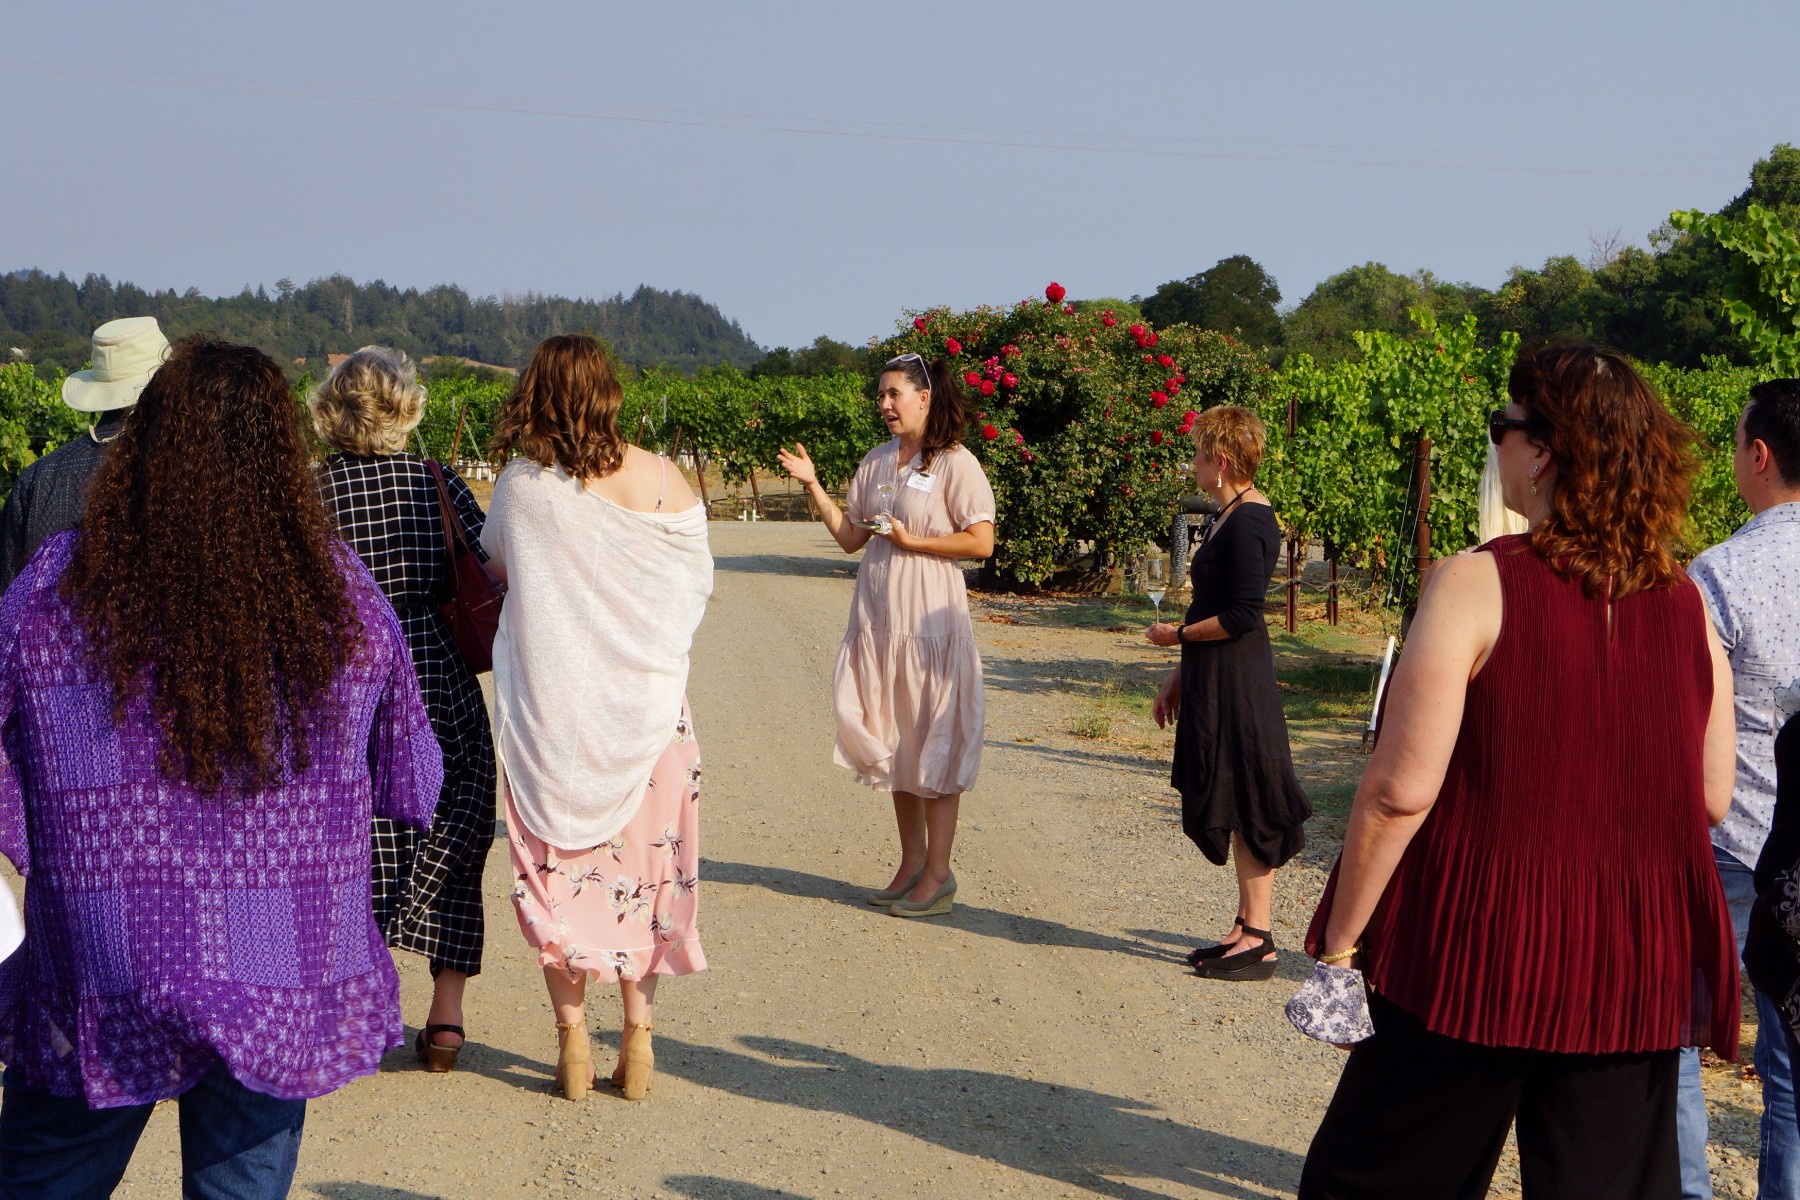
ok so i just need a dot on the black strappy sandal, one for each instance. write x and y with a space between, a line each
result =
439 1059
1248 964
1200 954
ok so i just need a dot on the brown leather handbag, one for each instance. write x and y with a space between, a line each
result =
473 610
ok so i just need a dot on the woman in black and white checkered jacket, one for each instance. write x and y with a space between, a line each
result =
427 886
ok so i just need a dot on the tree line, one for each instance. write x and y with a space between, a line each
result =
48 320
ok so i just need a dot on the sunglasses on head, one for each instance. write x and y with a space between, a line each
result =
900 360
1499 423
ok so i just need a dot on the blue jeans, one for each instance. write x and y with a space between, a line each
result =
236 1144
1778 1165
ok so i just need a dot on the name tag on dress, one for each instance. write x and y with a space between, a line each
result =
920 481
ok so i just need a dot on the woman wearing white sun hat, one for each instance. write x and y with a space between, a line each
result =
50 493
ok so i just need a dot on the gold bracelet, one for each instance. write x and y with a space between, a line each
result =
1341 955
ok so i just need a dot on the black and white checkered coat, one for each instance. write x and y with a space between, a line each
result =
427 888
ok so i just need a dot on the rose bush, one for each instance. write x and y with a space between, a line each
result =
1074 425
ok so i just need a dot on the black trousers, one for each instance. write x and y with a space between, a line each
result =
1423 1116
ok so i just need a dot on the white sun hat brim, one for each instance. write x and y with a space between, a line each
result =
127 352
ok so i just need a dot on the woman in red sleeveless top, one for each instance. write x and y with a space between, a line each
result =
1527 868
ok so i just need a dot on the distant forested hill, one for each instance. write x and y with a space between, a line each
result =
51 318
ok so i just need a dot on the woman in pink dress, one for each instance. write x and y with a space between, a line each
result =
907 688
604 551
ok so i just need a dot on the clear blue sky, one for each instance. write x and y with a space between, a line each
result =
815 168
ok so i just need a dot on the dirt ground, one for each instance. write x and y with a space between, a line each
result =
1045 1040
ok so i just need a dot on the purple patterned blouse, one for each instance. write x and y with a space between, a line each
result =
167 930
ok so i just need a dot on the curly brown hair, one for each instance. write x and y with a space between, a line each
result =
207 572
1624 468
564 409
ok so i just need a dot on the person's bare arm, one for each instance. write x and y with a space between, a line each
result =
798 464
1457 624
977 541
1720 756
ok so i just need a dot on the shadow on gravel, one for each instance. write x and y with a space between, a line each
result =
353 1189
787 564
1080 1138
1088 758
970 918
1076 676
711 1187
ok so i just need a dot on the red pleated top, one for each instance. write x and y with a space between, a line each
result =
1561 894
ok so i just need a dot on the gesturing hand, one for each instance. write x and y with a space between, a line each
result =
797 463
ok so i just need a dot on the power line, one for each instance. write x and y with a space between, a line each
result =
1113 144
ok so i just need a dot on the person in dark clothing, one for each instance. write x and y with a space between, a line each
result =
51 492
1232 763
1771 948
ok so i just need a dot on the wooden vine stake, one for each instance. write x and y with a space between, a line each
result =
756 494
1294 546
1422 530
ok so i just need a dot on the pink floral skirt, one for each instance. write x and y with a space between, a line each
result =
628 908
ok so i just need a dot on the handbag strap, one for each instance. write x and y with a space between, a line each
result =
446 513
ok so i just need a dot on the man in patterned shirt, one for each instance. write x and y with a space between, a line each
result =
1751 585
51 492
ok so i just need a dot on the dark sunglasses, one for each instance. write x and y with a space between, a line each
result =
1499 423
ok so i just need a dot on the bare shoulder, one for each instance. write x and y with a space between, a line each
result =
677 494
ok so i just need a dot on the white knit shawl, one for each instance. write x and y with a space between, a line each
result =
591 661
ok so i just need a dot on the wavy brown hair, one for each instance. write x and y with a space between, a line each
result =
564 409
207 572
1624 468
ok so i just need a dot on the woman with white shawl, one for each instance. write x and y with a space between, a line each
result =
604 552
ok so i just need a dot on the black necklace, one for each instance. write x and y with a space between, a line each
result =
1220 515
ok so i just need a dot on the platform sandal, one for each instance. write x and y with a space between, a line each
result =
1256 963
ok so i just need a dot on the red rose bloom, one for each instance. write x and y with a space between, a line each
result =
1109 321
987 387
1164 360
1150 338
1008 350
1158 399
971 378
1055 293
1151 359
1069 308
1009 380
1026 454
919 324
953 346
989 433
1018 438
1156 437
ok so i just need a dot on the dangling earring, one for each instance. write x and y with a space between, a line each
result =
1220 484
1534 475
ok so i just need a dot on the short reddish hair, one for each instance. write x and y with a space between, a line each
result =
1235 432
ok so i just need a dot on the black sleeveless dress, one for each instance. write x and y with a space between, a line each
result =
1232 765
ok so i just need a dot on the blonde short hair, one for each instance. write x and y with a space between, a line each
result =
1235 432
369 402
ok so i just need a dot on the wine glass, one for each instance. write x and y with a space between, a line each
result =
886 492
1155 575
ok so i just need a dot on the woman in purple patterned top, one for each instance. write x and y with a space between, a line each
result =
204 698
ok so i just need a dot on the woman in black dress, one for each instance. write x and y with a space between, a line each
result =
1232 763
427 886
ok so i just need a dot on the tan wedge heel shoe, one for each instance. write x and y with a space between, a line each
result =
639 1064
574 1064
